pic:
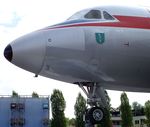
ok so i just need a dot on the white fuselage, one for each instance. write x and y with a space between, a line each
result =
113 51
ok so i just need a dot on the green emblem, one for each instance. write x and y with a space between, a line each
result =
100 38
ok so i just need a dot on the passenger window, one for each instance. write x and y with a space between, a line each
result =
93 14
107 16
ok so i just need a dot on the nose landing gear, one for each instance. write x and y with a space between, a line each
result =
97 100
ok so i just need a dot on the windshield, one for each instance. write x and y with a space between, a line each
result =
87 14
107 16
93 14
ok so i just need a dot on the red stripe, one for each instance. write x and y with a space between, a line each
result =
124 21
134 22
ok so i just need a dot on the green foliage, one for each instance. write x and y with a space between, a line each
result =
80 107
67 121
99 125
137 108
147 113
49 125
14 94
126 113
35 95
107 120
58 105
72 122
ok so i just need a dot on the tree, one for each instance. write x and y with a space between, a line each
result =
58 105
137 108
107 120
35 95
80 108
147 113
126 113
67 122
72 122
14 94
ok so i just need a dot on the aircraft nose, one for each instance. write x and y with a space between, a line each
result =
27 52
8 53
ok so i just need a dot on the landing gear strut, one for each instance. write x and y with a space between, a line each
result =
97 100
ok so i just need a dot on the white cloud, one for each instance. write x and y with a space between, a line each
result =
9 19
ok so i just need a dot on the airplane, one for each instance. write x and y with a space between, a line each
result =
105 47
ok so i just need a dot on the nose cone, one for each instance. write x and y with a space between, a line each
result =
27 52
8 53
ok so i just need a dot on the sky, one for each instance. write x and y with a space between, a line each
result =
19 17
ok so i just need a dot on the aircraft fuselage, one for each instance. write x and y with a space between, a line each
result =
112 48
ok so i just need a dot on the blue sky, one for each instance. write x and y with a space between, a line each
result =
18 17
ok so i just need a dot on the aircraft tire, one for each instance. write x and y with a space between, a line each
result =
96 115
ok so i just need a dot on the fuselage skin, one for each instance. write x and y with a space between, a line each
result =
114 53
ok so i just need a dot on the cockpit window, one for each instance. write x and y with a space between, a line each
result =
107 16
93 14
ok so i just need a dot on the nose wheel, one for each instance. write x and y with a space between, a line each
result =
95 115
